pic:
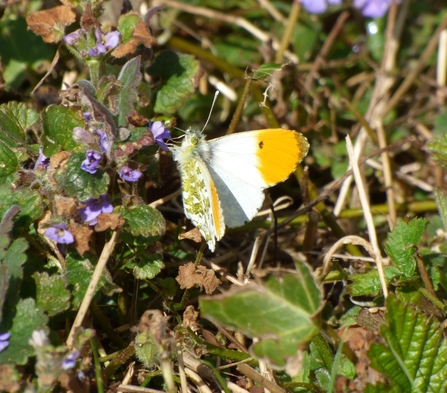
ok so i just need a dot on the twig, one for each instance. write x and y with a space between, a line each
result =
106 252
414 73
237 20
367 214
352 239
288 32
255 376
325 49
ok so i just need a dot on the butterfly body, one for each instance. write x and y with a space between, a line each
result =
223 179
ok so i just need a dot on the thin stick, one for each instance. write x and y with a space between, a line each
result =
288 32
415 72
106 252
367 214
352 239
325 49
237 20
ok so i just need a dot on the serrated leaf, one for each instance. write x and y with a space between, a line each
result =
280 311
51 293
265 71
15 257
142 222
15 118
368 284
58 124
415 351
441 201
27 319
145 266
146 349
402 242
8 162
28 200
80 184
180 75
79 273
130 76
438 149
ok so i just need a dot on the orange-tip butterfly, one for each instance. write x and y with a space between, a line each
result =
224 179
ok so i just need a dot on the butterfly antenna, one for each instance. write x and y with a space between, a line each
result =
211 110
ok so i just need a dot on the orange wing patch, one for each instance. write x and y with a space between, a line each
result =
279 152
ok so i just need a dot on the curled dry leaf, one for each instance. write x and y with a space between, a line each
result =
141 35
108 220
190 317
193 234
65 207
153 321
82 234
50 24
204 278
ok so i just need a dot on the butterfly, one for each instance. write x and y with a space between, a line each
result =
223 179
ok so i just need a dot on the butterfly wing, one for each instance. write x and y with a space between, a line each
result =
242 165
201 199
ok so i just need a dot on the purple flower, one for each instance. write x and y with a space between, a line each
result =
373 8
92 160
129 174
73 38
87 116
95 206
160 132
70 360
42 162
104 144
104 42
318 6
59 234
4 341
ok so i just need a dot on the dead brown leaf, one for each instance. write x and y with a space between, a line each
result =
8 382
140 35
82 234
190 317
88 20
109 220
50 24
190 276
65 207
193 234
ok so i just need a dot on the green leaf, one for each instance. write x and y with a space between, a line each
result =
29 202
126 26
22 50
368 284
27 319
14 259
52 295
441 201
280 311
415 351
130 76
180 75
15 118
146 349
265 71
79 273
9 163
58 124
438 149
142 222
145 266
402 243
80 184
